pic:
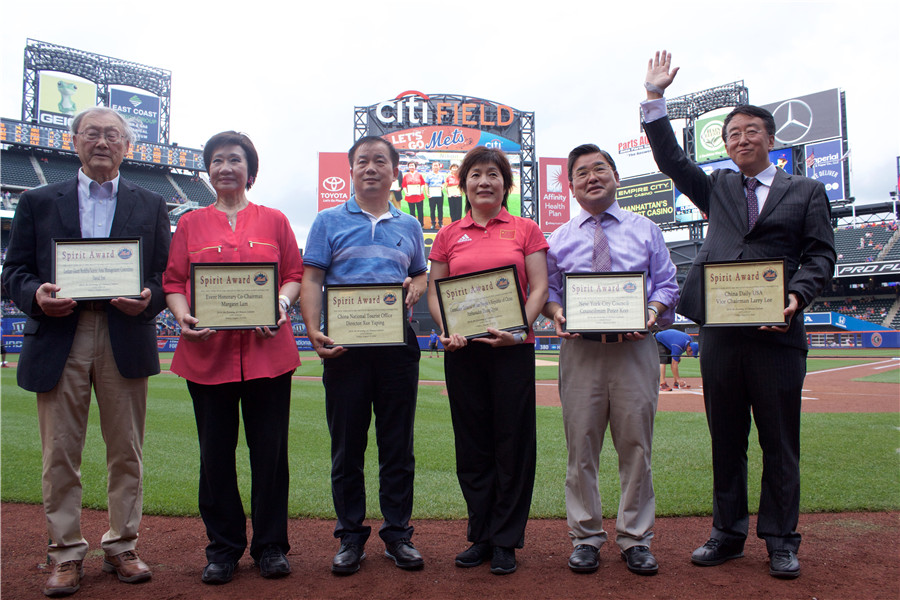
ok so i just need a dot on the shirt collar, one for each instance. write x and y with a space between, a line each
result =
614 211
766 176
353 206
503 216
84 185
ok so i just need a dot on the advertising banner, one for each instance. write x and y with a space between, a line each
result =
824 163
59 98
448 139
648 195
334 179
140 110
708 138
553 198
807 119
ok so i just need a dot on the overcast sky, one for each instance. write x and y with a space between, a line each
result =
289 74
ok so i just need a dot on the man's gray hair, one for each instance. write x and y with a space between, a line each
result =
128 131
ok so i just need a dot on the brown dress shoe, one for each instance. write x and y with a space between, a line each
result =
65 579
128 566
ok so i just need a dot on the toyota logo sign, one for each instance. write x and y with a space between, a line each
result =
334 184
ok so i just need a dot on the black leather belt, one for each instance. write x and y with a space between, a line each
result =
95 305
604 338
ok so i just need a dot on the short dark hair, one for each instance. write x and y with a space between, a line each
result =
583 149
483 155
234 138
750 111
373 139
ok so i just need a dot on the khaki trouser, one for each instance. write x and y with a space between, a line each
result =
63 418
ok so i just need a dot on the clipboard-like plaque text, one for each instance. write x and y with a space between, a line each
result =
234 295
473 302
744 292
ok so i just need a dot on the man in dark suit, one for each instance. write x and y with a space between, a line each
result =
759 213
70 346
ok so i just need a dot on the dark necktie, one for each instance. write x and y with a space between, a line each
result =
600 259
752 201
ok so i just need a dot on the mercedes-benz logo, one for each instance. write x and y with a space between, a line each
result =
793 120
333 184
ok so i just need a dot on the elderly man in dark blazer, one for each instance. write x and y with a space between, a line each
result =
70 347
760 212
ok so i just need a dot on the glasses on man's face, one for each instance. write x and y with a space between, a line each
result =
598 170
735 136
112 135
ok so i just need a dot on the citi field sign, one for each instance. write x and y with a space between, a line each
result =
444 123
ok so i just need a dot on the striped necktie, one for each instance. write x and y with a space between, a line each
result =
752 201
600 258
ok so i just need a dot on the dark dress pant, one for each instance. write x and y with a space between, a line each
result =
265 405
743 374
383 380
492 405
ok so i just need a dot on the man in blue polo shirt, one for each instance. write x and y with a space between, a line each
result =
672 343
367 240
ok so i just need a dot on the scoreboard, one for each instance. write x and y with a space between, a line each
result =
42 136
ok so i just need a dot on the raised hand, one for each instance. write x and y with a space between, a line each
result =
660 72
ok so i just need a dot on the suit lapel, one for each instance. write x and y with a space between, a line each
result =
125 203
67 204
779 188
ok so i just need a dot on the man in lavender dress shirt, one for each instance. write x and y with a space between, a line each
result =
609 379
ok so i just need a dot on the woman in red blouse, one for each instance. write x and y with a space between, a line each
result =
228 371
490 380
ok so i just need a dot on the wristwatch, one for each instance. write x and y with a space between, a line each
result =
285 303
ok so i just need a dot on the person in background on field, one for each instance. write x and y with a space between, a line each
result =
672 343
240 374
432 343
435 181
414 188
454 195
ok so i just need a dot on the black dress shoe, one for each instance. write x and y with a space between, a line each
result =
404 555
714 552
273 563
217 573
640 560
346 561
474 555
503 561
584 559
784 564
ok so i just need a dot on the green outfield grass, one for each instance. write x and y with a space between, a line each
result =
849 461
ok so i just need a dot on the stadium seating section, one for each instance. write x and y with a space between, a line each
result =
22 169
18 170
865 244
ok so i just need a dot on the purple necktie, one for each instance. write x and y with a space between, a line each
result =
600 259
752 203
